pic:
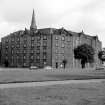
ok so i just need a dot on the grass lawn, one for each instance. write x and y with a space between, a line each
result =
71 94
26 75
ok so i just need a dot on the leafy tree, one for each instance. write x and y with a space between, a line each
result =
85 53
64 63
101 55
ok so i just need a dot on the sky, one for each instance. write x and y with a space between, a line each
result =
74 15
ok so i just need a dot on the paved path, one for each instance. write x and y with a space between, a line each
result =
48 83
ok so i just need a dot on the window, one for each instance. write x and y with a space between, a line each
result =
12 46
6 46
63 38
24 57
38 60
68 39
38 38
77 42
38 47
56 37
12 51
6 52
25 38
56 51
37 51
44 43
12 39
17 52
18 45
62 45
12 58
44 56
6 57
44 47
38 57
32 51
44 37
32 38
24 64
17 57
56 44
62 51
24 51
7 41
32 44
44 53
38 43
25 45
44 62
18 39
56 57
32 57
63 56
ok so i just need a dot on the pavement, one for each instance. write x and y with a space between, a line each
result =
49 83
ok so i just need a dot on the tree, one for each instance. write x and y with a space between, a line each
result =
64 63
101 55
85 53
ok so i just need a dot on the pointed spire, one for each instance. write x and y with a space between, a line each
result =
33 22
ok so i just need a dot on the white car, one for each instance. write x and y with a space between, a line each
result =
48 67
33 67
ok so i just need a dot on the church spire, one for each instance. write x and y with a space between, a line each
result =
33 22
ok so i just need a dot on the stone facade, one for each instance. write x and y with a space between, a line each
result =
45 47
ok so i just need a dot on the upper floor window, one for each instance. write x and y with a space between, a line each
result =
12 51
25 38
44 43
56 44
12 39
32 57
32 44
7 46
62 45
24 57
32 38
62 51
77 42
38 43
38 47
6 52
44 37
38 37
68 39
17 52
12 46
38 57
7 40
18 39
62 38
32 51
6 57
18 45
56 37
17 57
24 45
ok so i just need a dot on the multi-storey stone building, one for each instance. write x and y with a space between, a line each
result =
45 47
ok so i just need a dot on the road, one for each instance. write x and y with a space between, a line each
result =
48 83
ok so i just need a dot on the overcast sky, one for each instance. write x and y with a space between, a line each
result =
74 15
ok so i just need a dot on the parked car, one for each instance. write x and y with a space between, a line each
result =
33 67
48 67
100 68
